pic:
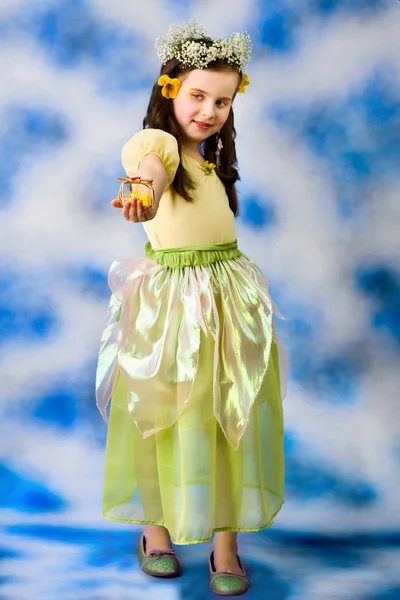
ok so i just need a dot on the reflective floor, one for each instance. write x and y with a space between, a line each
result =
48 562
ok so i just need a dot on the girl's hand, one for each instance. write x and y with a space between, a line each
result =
134 210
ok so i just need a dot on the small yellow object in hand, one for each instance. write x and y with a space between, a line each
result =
143 198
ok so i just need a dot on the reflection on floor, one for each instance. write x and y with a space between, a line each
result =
48 563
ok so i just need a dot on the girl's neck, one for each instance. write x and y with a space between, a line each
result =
192 149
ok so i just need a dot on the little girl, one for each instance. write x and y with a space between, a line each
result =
189 354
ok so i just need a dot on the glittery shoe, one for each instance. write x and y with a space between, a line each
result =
225 583
158 563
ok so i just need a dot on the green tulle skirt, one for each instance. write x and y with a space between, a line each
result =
195 438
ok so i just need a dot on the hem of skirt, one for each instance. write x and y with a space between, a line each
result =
202 540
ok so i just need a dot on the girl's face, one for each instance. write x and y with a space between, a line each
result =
203 103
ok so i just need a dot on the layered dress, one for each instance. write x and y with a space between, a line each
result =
190 360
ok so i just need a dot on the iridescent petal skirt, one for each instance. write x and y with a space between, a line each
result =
190 359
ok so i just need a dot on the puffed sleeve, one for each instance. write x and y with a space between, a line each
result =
151 141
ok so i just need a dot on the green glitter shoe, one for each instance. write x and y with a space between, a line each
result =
225 583
158 563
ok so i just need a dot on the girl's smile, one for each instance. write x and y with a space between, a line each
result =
202 125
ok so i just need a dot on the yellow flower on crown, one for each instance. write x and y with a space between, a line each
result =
170 87
242 86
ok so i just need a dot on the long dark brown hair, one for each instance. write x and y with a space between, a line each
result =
160 115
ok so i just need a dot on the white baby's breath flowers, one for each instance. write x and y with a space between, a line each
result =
193 47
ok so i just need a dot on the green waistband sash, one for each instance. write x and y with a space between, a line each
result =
193 256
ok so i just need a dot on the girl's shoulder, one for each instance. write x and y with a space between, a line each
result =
155 137
151 141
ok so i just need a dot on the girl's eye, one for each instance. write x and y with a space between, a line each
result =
220 103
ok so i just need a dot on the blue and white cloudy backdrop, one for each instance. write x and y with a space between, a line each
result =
319 151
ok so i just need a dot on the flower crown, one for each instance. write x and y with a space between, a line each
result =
194 48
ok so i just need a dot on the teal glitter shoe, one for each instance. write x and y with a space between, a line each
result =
225 583
158 563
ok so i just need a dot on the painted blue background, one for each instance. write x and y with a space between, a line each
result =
319 149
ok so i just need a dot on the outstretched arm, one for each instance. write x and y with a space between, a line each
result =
151 167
